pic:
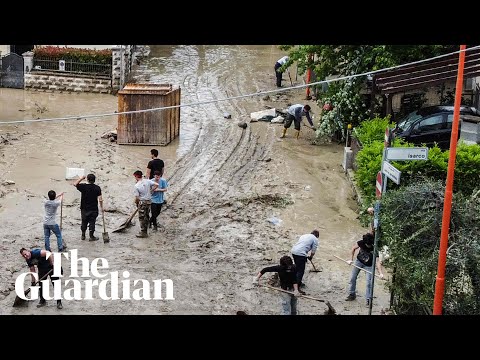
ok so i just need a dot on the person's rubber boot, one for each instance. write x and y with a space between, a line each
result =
297 134
284 133
59 304
92 238
83 235
350 297
142 234
41 303
155 227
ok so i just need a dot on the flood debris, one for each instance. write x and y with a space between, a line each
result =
110 135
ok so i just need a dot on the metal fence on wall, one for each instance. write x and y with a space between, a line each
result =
68 66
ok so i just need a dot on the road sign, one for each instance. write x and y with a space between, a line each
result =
415 153
391 172
378 186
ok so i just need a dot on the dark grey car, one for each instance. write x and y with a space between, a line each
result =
432 125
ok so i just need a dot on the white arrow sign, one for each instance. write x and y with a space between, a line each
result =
391 172
415 153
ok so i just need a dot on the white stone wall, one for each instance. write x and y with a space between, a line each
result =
122 58
51 82
4 50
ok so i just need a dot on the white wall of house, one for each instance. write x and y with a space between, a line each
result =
4 50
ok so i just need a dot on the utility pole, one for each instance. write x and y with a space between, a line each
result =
447 204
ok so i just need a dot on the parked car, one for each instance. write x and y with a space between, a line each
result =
433 124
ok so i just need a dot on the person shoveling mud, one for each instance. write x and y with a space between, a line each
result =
38 257
287 273
307 243
294 114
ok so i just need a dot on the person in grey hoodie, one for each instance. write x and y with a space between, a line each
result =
49 223
307 243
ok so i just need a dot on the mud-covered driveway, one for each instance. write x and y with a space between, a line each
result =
225 183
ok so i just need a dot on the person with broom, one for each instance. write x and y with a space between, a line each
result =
49 224
38 257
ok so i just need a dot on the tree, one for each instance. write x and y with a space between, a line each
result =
411 220
348 99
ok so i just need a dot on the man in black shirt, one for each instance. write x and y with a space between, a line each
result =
288 281
154 165
364 261
91 196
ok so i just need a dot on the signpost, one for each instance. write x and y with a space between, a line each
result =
378 186
415 153
389 171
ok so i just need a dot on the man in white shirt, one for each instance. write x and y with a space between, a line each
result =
143 199
305 244
49 223
295 114
278 73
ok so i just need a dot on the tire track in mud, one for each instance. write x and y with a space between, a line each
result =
214 227
201 145
182 166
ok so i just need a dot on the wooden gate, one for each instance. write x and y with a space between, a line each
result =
158 127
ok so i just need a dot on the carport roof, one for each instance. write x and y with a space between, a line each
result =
426 74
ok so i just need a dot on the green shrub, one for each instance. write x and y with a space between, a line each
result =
372 130
56 53
369 161
369 158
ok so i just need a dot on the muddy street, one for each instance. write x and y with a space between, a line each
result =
238 199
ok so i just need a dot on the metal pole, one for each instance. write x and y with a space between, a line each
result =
447 205
309 72
376 220
375 245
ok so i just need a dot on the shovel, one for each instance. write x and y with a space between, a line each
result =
19 301
126 223
106 238
330 311
314 268
64 244
291 83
